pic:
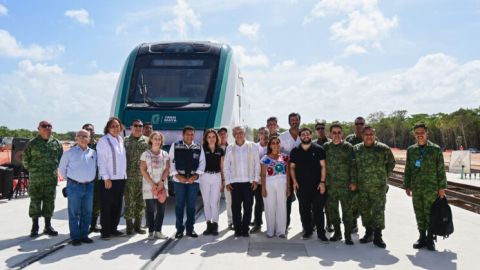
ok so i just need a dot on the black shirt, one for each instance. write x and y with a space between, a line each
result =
214 159
307 163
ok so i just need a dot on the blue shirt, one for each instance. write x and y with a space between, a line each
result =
79 165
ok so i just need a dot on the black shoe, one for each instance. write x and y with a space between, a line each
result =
35 227
50 231
421 242
307 235
255 229
430 244
336 237
208 231
348 239
105 236
192 234
377 240
245 234
76 242
86 240
117 233
238 234
368 237
34 233
214 228
322 237
179 235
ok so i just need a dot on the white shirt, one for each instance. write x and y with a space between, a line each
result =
112 158
287 142
236 163
262 150
201 165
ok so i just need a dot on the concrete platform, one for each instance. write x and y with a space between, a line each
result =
455 177
226 252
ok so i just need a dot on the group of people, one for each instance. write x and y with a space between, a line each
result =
267 176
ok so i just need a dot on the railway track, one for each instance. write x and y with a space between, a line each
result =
461 195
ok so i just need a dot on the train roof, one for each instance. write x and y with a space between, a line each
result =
194 47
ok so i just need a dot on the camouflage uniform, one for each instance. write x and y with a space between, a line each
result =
425 180
354 140
340 163
328 220
41 158
134 204
96 190
373 166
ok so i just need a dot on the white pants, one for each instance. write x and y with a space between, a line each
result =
228 202
210 186
276 205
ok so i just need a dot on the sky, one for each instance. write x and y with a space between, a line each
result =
325 59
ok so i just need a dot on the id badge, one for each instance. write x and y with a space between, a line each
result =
418 163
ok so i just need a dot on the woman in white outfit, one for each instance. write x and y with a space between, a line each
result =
155 167
275 189
212 181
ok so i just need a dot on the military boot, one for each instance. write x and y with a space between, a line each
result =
214 228
48 228
421 242
129 226
137 226
377 239
35 227
368 237
208 231
429 242
348 238
337 235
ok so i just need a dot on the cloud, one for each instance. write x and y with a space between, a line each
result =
3 10
36 91
185 17
249 30
362 22
11 48
79 15
353 49
244 58
435 83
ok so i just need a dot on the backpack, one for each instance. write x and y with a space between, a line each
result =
441 222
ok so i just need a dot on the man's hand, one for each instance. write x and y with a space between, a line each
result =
108 184
229 187
441 193
353 187
295 186
181 178
408 191
264 192
321 187
254 185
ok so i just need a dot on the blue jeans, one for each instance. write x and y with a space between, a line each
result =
80 203
185 193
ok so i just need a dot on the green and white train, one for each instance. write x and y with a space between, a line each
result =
174 84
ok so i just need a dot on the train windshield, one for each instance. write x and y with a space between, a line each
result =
181 81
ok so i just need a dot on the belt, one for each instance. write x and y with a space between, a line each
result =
212 172
78 183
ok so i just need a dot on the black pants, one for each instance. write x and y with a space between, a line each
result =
242 194
311 201
290 200
111 206
154 220
258 209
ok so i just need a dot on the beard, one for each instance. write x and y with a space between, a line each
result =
306 141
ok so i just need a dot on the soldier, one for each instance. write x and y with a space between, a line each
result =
322 139
374 162
425 178
354 139
97 182
135 145
41 158
340 182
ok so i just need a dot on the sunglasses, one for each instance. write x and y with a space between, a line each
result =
138 126
320 128
46 126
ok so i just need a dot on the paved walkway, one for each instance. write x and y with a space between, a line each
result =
225 252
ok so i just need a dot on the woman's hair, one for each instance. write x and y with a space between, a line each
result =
150 138
205 135
109 123
269 145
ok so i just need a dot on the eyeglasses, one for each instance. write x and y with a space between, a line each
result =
46 126
138 126
320 128
359 124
